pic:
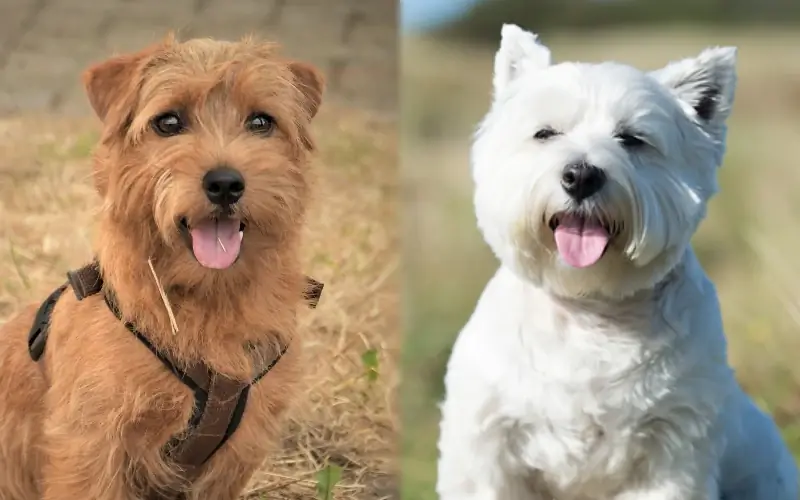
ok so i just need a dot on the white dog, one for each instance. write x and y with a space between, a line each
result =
594 366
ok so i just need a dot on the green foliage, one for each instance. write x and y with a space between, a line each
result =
544 16
369 359
327 479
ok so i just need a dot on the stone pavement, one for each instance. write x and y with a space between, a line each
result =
45 44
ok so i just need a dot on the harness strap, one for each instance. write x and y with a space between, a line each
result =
214 426
219 405
220 402
37 337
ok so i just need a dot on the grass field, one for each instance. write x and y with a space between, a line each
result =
347 424
747 244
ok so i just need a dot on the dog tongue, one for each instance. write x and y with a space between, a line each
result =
580 241
216 243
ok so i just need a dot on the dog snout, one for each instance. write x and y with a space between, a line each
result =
223 186
582 180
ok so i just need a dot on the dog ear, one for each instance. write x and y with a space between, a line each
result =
109 82
706 83
311 83
519 50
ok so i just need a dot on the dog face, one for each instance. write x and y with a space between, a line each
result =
592 178
205 148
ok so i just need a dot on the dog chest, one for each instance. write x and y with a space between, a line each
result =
220 402
572 433
571 394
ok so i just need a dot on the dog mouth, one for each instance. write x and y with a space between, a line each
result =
581 240
215 241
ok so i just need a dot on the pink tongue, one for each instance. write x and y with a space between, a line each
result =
580 242
216 243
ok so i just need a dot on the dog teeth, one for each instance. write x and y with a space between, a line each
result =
241 235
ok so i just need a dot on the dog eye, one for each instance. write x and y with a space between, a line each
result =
168 124
260 123
630 140
545 133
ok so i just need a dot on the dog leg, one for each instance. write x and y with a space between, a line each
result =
464 474
669 490
682 481
470 466
17 481
82 466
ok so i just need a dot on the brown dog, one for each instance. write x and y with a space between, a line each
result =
202 171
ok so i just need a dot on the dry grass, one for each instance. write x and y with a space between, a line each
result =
347 418
748 243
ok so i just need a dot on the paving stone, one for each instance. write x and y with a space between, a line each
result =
372 37
41 65
168 15
80 49
262 10
33 99
225 31
67 24
45 44
12 21
133 38
371 80
73 102
302 29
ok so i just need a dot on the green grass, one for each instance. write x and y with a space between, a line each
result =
747 244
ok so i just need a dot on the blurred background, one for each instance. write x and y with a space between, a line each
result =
748 243
44 44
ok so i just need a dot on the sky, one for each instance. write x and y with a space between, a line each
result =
421 15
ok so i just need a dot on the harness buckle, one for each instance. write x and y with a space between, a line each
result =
85 281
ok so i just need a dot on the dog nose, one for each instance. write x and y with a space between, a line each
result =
581 180
223 186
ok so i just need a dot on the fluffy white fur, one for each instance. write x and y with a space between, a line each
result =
609 381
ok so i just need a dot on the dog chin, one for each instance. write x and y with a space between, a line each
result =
215 240
595 263
584 254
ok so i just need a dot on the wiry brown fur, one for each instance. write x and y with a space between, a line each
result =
94 424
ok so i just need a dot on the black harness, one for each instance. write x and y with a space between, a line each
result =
219 402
